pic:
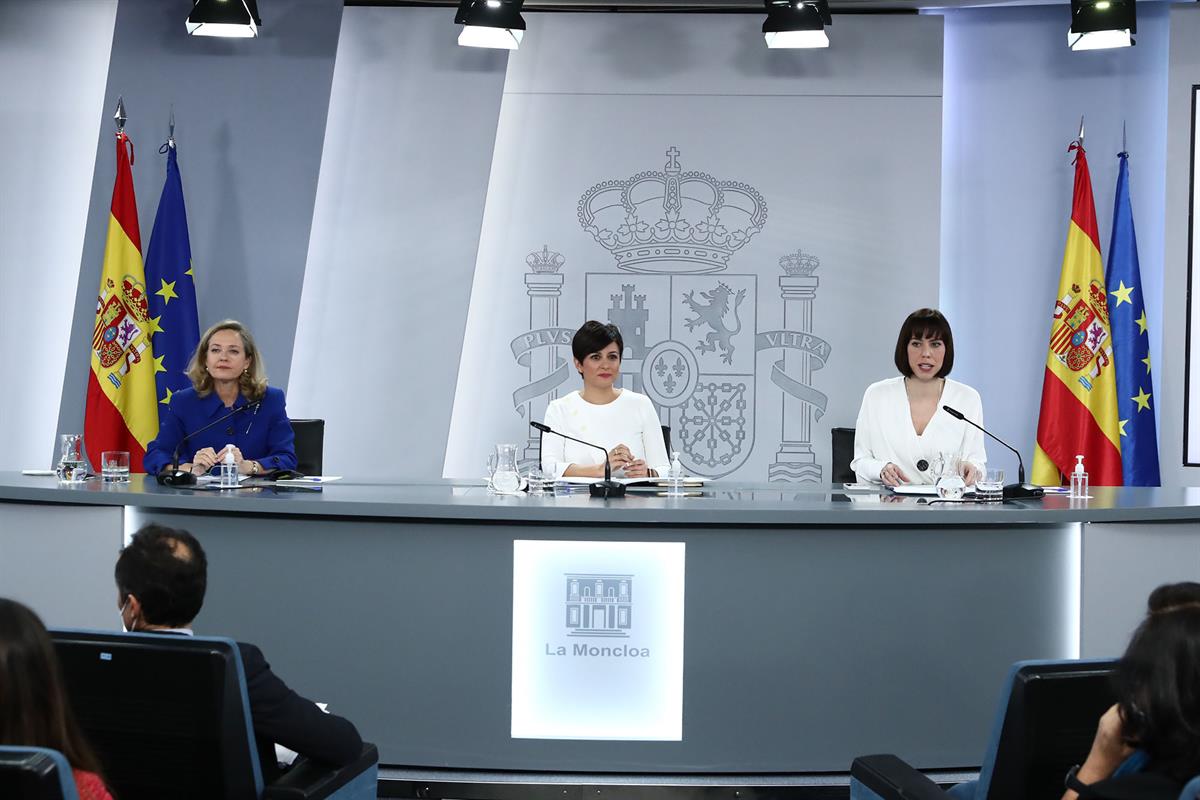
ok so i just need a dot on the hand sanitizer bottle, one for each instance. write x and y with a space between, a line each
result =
675 476
1079 480
229 470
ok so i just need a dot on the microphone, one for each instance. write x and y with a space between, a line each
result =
178 477
605 488
1016 490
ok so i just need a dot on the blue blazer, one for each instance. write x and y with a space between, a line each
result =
263 434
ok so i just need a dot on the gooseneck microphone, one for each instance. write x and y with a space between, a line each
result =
605 488
172 475
1016 490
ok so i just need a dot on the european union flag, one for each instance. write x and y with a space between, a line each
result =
172 292
1131 343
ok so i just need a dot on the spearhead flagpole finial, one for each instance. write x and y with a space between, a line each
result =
120 117
171 129
1081 130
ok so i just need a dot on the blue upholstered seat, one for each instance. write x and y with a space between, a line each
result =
35 773
1045 723
169 717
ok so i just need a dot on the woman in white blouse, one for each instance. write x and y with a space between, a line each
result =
902 427
621 421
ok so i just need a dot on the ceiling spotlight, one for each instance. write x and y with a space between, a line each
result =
796 23
490 23
237 19
1101 24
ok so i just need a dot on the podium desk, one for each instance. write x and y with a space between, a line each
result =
816 628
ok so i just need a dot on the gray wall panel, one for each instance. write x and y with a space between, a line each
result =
412 120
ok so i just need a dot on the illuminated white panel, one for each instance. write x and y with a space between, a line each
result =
597 647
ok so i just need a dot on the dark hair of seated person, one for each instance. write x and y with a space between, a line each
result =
593 336
34 710
1158 683
167 571
925 323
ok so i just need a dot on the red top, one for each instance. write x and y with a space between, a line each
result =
89 786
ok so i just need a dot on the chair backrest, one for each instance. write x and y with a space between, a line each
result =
1045 724
667 438
168 715
35 773
843 453
310 445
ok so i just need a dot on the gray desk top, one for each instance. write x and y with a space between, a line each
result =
721 504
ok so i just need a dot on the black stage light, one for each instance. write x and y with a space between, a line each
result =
228 18
490 23
792 24
1101 24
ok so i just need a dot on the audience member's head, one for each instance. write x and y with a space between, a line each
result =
1158 681
161 577
34 711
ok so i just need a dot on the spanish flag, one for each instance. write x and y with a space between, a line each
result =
1079 391
121 410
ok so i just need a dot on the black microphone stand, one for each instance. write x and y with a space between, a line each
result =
605 488
179 477
1013 491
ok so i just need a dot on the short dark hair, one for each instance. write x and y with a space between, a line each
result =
166 569
924 323
593 337
1158 689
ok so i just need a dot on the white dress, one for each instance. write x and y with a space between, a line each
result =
884 431
629 420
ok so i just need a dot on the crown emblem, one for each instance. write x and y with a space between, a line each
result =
544 261
799 263
672 221
135 299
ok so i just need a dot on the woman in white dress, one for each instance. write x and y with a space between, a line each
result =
902 427
621 421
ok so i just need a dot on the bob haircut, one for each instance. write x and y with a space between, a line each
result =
925 323
33 695
253 382
1158 688
593 337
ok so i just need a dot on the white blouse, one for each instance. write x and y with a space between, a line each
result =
884 431
629 420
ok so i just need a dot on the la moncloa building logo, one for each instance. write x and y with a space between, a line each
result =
599 606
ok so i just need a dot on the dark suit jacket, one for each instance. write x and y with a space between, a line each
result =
280 716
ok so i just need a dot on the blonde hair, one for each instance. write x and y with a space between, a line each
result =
252 382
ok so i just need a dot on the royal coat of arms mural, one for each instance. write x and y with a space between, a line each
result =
689 320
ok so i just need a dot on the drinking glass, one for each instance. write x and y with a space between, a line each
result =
989 486
114 466
506 479
948 469
72 466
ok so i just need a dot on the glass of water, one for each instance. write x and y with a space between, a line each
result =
990 486
114 466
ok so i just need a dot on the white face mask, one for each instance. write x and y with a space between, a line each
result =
121 614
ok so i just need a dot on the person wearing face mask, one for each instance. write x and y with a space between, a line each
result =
227 373
902 428
621 421
161 577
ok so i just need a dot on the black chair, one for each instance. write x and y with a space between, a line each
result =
169 717
310 445
35 773
667 438
1045 724
843 453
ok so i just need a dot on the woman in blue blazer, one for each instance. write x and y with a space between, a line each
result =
227 376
